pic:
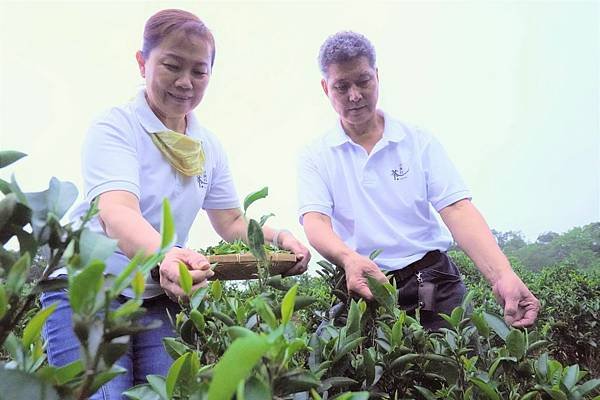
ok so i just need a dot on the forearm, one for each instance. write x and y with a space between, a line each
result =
473 236
321 236
131 230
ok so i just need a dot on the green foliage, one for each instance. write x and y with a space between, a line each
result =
579 246
279 337
33 219
570 313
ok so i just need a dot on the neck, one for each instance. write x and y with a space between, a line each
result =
176 124
366 134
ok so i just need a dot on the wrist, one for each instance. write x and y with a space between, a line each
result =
345 258
279 236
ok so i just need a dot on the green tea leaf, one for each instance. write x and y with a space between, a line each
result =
84 287
256 389
480 324
456 316
497 324
8 157
158 384
138 284
264 218
198 296
198 320
256 240
515 343
94 246
570 376
235 365
216 290
588 386
19 385
252 197
239 331
61 196
287 305
369 362
3 301
374 254
425 393
173 374
185 279
175 348
17 275
353 322
383 294
142 392
124 278
486 388
34 326
167 228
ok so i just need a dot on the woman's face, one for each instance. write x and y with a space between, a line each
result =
177 72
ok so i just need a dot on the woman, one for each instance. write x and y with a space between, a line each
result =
137 154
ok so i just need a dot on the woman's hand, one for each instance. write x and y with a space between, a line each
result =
195 262
290 243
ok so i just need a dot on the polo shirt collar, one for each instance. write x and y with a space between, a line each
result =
338 137
152 124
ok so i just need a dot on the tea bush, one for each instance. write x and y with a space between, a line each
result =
278 338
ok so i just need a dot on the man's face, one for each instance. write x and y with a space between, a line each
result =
353 89
177 72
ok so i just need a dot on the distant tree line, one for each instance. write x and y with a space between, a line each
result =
579 247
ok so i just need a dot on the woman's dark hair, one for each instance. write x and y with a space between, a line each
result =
165 22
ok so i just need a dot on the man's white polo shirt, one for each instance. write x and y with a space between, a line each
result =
118 154
385 200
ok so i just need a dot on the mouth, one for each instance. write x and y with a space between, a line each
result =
180 98
359 108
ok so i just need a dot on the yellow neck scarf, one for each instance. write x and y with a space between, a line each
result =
183 153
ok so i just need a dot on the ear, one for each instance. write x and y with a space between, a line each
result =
377 74
324 86
141 63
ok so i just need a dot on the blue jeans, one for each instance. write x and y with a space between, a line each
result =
146 354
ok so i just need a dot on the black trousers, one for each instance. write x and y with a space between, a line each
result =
434 285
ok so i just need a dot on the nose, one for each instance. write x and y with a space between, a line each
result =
354 95
184 81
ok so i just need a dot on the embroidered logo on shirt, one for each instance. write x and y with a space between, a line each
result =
400 173
202 180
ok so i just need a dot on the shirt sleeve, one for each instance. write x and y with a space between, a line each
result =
444 184
313 191
109 157
221 194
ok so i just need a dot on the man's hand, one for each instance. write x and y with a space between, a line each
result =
520 306
196 263
290 243
357 269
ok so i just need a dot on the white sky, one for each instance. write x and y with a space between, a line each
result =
510 88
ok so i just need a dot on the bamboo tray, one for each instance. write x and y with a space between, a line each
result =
244 266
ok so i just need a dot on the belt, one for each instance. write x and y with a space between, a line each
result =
429 259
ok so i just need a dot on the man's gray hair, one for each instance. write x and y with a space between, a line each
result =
343 47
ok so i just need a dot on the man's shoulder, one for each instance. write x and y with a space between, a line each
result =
411 134
322 143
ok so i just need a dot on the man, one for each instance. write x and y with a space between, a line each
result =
374 182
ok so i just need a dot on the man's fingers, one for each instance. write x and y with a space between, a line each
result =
359 288
201 275
511 310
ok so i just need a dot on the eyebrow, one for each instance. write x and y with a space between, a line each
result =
181 59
